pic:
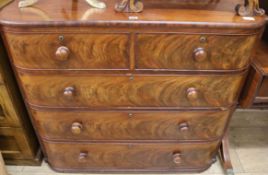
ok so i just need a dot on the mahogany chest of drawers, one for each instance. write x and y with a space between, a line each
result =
118 92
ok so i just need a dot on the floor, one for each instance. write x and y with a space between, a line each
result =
249 148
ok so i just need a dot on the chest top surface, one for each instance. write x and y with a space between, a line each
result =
215 13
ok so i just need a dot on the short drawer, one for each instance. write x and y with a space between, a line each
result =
124 91
14 144
194 52
69 51
130 125
103 157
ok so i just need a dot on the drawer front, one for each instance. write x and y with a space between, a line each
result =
14 144
174 51
8 115
129 157
122 91
131 125
69 51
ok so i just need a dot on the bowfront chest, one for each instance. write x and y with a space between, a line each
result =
130 92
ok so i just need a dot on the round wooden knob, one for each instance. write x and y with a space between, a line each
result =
183 126
192 94
177 158
62 53
200 54
76 128
68 92
82 157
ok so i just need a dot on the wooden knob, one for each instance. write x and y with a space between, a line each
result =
76 128
82 157
177 158
192 94
68 92
183 126
200 54
62 53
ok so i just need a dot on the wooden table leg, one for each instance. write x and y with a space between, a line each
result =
3 170
225 155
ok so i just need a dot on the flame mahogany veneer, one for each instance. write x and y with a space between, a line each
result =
115 92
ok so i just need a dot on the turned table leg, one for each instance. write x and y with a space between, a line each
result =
3 170
225 155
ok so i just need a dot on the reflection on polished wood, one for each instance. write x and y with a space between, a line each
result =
72 12
36 11
93 3
249 8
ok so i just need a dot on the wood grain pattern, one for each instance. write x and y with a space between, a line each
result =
72 88
87 51
174 51
129 156
131 125
106 91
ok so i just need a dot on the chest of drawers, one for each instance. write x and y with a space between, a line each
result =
115 92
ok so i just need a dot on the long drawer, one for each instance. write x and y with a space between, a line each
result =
136 91
129 156
130 125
